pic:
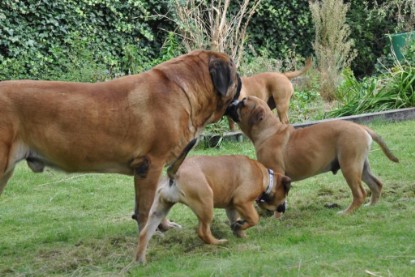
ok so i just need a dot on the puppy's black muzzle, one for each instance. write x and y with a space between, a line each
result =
232 110
281 208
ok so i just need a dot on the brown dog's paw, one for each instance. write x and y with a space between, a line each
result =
239 234
166 225
140 259
237 225
278 215
222 241
332 206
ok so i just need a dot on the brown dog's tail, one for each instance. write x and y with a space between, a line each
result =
379 140
293 74
172 169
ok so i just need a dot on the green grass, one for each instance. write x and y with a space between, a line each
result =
58 224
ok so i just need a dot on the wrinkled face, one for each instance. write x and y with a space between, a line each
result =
248 112
275 202
226 82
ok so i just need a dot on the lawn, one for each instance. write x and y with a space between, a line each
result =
80 224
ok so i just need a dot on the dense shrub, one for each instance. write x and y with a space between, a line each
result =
37 36
370 24
41 37
283 28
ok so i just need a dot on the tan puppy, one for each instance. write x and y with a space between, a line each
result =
131 125
275 88
205 182
302 153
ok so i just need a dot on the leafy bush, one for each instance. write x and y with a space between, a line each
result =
388 91
281 27
387 62
35 36
306 105
258 62
369 23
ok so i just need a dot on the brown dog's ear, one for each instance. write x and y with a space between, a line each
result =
257 115
286 183
221 75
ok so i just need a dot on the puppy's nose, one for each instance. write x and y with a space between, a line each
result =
231 110
281 208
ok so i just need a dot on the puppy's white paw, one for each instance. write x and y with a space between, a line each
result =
174 225
167 225
222 241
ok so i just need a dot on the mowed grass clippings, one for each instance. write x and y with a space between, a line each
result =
80 225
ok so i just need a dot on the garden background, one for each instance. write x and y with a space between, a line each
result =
80 224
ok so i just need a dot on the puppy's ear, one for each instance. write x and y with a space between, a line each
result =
257 115
221 75
285 182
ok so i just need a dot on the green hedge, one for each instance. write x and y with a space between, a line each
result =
283 28
48 39
40 36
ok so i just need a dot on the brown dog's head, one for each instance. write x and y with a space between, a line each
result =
275 200
208 80
250 113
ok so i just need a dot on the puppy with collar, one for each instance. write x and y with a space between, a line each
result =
305 152
203 183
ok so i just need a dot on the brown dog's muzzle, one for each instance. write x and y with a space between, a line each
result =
231 109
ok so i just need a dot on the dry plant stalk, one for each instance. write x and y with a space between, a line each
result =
332 46
405 15
204 25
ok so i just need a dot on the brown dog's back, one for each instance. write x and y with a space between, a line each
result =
223 174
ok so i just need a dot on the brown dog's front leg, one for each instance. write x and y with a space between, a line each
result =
249 215
231 124
145 183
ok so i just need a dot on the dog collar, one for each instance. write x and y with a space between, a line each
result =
271 181
265 195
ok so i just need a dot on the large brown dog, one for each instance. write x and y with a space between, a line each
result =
231 182
305 152
131 125
275 88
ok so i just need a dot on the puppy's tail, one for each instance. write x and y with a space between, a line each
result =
379 140
293 74
172 169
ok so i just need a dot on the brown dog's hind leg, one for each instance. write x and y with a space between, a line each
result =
204 212
353 179
6 171
282 111
373 183
4 177
158 212
352 159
